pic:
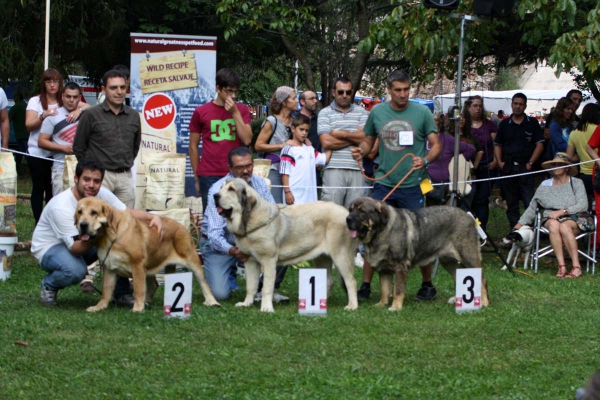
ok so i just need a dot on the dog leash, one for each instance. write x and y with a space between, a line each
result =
386 175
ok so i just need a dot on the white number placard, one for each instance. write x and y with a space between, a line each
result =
312 293
468 289
178 295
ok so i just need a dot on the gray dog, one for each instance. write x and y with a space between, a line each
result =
397 240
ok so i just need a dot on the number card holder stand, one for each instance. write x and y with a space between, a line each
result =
312 292
468 289
178 295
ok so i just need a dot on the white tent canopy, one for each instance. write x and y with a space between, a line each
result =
537 100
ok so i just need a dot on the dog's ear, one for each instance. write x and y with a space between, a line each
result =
383 214
107 215
76 218
247 202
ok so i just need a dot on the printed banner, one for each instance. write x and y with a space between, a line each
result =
171 75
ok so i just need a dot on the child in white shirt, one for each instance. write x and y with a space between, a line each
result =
298 162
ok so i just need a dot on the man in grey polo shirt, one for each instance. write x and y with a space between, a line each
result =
111 133
340 129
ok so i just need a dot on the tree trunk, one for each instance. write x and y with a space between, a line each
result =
359 64
591 82
301 56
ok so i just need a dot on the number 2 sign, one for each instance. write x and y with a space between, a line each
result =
312 293
468 289
178 295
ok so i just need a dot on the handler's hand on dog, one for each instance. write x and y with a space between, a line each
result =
234 251
157 223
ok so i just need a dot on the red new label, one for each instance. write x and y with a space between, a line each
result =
459 302
323 304
159 111
302 304
477 301
187 308
167 310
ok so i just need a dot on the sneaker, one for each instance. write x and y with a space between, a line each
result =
87 287
277 298
364 292
48 296
233 286
426 293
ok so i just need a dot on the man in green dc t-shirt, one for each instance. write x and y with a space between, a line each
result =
402 127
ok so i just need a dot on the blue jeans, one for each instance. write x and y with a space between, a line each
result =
410 198
205 183
217 268
64 269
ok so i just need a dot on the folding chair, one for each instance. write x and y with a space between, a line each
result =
589 242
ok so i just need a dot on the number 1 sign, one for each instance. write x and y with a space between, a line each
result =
468 289
312 293
178 295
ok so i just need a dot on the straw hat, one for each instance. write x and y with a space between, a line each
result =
561 159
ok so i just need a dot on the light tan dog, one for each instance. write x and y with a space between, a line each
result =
127 247
274 235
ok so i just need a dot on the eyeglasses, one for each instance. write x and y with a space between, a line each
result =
241 168
231 92
341 92
52 82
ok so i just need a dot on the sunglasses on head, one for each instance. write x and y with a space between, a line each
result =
341 92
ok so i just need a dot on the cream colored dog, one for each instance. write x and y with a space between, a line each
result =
127 247
274 235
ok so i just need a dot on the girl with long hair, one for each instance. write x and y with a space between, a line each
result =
39 108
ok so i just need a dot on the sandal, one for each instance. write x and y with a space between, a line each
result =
572 273
562 271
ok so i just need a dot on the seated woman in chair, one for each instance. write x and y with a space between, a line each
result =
561 198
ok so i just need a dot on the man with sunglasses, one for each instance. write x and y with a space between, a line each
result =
340 129
219 126
217 244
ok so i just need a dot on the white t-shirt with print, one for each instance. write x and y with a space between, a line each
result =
57 223
3 100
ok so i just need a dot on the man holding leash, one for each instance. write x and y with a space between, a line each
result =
111 133
217 244
56 243
402 127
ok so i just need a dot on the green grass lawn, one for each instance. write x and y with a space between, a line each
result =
537 340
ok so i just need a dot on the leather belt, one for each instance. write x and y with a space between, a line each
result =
119 170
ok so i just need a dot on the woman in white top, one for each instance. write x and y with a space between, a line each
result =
39 107
275 133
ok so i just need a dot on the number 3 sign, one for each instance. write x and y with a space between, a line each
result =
468 289
312 293
178 295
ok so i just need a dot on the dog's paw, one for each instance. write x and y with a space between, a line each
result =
394 308
504 268
213 303
267 308
452 300
94 309
243 304
137 309
381 304
351 307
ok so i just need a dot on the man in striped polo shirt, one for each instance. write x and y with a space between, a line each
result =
58 131
340 129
